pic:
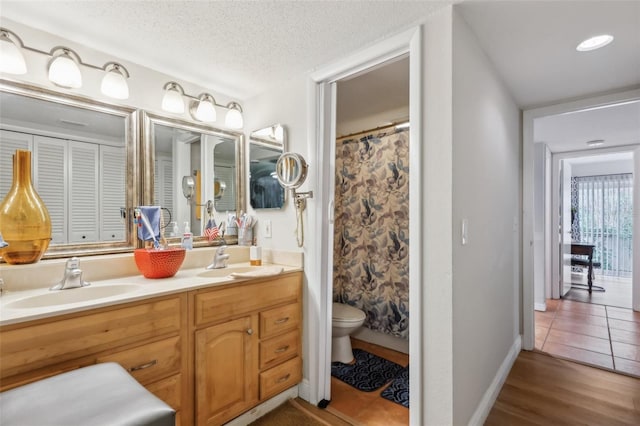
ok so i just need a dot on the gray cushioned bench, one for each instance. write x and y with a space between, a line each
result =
98 395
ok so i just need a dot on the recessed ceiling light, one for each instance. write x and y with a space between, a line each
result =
594 43
596 142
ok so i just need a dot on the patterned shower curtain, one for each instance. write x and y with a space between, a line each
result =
371 240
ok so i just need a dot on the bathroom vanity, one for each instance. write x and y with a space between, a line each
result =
211 352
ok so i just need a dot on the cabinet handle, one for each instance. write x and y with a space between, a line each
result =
281 320
281 349
249 331
143 366
284 378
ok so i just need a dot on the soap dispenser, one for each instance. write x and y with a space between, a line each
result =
187 238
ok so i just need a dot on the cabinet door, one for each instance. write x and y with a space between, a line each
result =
84 211
9 142
226 371
50 174
113 186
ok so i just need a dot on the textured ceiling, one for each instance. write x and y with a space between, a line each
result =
234 47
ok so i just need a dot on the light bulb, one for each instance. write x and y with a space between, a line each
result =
172 100
234 119
114 84
206 111
594 43
11 58
64 72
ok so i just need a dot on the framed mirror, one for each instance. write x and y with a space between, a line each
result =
85 157
265 147
194 171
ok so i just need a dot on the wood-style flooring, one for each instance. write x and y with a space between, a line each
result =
618 292
599 335
368 408
543 390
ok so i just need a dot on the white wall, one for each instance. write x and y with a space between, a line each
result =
539 178
486 191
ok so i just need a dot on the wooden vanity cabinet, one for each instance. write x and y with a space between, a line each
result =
147 338
247 345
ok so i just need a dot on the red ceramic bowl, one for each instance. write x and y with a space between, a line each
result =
159 263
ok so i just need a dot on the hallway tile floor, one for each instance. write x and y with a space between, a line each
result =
600 335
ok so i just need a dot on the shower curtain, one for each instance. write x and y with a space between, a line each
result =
371 228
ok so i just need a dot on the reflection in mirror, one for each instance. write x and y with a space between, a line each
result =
84 154
192 164
265 146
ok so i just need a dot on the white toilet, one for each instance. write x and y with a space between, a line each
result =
346 319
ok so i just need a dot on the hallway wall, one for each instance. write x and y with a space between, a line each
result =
486 192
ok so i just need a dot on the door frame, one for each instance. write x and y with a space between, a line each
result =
529 116
321 119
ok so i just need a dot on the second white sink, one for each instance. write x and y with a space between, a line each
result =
74 295
242 271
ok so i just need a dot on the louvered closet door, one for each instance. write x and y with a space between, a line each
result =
51 182
83 197
113 169
9 142
163 184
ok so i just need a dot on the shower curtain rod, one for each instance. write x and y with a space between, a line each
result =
371 130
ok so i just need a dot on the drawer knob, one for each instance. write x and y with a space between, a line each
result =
284 378
143 366
281 349
281 320
249 331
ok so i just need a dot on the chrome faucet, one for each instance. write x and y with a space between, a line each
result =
219 259
72 276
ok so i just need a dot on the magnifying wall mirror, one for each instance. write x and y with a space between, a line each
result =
194 170
265 147
291 171
84 155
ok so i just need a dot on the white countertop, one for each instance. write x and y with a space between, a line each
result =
144 288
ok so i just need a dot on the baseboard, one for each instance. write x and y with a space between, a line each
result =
381 339
262 409
304 390
540 306
489 397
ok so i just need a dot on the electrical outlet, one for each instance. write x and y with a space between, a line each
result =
267 229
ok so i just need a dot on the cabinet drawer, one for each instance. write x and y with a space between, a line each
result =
275 321
277 349
277 379
222 304
149 362
168 390
46 343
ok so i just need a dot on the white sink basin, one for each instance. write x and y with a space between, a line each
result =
242 272
74 295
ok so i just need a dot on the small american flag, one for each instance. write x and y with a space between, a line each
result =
211 231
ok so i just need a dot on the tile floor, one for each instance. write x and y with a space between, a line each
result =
368 408
600 335
618 291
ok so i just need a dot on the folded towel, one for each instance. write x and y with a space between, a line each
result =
152 213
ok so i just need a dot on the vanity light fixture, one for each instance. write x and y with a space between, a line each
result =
114 83
233 119
12 58
63 67
593 43
172 100
201 108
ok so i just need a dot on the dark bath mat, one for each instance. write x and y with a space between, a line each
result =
398 390
368 373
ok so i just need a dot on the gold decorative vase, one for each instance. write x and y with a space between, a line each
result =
24 219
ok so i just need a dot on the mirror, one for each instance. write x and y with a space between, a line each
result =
192 169
265 147
84 156
291 170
